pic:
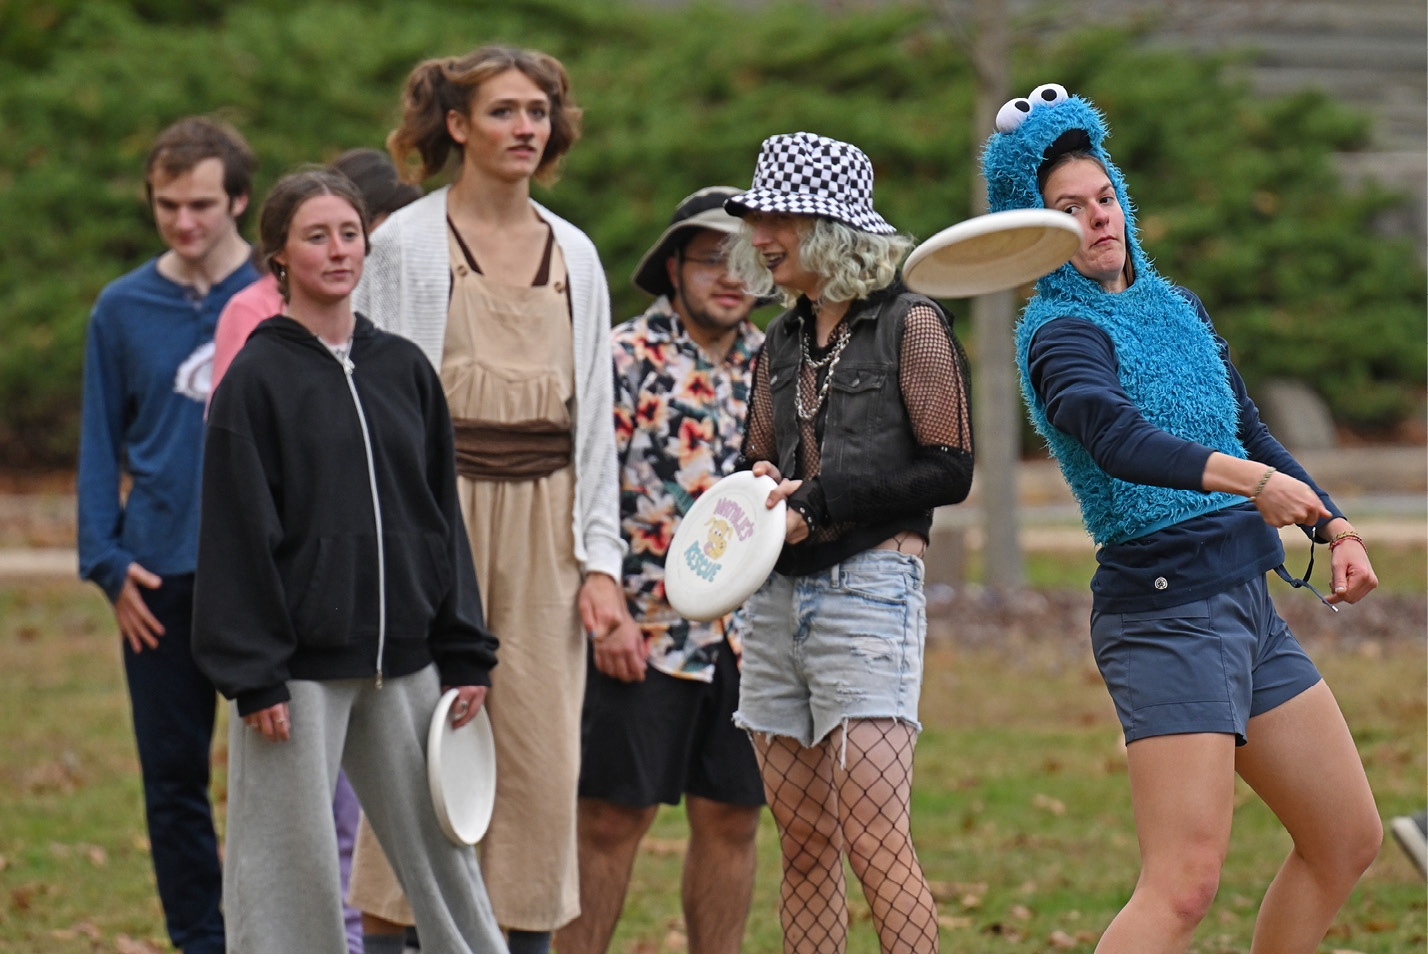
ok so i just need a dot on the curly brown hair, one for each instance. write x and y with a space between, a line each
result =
436 87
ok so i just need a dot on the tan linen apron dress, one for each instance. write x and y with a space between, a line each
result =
508 359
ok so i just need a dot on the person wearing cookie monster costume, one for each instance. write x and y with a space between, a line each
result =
1182 486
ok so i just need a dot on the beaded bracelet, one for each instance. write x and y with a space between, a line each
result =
1347 535
1259 487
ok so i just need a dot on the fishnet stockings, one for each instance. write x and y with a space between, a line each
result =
849 793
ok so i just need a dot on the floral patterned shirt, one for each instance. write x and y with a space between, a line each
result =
679 420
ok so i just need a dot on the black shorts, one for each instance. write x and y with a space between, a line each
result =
655 741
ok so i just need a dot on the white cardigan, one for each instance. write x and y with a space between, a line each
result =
406 288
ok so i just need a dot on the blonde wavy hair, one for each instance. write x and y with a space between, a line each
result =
851 262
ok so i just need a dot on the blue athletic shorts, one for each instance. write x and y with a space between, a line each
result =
842 643
1205 666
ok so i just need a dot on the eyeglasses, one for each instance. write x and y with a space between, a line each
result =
720 262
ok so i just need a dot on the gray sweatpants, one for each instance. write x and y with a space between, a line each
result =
281 885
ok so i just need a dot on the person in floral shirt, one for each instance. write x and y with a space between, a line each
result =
657 723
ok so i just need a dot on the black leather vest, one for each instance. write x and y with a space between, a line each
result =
864 426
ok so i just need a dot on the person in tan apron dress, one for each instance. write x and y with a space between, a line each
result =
512 335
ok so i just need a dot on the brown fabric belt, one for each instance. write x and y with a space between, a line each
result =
524 450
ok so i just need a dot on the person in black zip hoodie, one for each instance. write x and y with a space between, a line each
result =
335 594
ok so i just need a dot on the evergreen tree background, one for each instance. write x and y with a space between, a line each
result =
1238 196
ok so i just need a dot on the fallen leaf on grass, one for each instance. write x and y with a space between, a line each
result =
1378 927
953 923
675 941
124 944
60 775
1011 934
83 929
97 856
948 890
1021 912
23 896
1053 805
1062 940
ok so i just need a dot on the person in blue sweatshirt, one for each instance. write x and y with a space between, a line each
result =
148 355
1182 486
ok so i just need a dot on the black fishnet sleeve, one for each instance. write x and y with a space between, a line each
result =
758 420
936 391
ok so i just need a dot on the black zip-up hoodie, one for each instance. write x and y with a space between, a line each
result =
303 456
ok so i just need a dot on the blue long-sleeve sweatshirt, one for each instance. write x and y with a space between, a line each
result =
148 355
1073 371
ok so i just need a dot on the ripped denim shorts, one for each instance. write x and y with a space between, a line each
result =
843 643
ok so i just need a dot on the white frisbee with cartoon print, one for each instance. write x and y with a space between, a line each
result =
992 253
461 772
724 548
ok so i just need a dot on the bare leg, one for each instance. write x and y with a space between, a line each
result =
813 901
1182 794
718 874
874 792
1301 760
609 836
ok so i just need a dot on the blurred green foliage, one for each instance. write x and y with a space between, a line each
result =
1238 198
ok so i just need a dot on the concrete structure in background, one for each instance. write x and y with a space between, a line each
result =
1369 54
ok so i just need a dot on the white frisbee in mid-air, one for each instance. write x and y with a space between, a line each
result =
461 770
992 253
724 548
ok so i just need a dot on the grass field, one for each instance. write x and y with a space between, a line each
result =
1021 809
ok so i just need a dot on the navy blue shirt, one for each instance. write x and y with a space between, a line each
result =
148 357
1074 372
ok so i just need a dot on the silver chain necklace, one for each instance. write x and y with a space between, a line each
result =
830 359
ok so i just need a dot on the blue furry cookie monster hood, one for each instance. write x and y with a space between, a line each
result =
1167 359
1035 130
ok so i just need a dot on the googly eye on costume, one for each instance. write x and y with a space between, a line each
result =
1011 114
1014 111
1048 94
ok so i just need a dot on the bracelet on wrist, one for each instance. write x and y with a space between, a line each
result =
1259 487
1339 538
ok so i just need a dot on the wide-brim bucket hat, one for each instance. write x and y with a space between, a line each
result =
806 174
702 210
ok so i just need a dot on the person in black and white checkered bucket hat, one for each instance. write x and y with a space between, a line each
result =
859 410
806 174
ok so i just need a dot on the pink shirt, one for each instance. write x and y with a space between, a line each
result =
257 302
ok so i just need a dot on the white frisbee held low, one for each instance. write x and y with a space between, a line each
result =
992 253
724 548
461 771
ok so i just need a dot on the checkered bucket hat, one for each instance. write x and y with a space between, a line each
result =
805 174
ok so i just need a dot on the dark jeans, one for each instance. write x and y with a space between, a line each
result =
174 708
